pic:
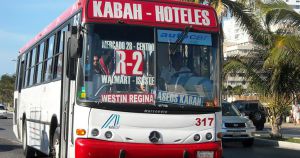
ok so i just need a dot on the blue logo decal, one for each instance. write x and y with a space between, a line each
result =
112 122
169 36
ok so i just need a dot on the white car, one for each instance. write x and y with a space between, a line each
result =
236 128
3 111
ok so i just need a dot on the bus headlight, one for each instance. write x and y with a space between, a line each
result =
205 154
95 132
208 136
108 134
197 137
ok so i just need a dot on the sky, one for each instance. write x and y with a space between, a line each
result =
20 21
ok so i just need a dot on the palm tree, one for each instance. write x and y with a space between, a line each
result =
280 51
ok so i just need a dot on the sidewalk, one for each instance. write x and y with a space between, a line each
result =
288 130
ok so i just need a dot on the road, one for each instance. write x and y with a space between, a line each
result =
10 148
236 150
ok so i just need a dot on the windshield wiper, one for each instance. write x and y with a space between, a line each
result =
181 38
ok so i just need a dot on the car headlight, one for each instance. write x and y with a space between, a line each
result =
250 124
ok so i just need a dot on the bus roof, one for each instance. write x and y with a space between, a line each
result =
155 13
57 22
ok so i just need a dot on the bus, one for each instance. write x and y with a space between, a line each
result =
122 79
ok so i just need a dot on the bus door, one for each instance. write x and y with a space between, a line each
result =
17 97
65 101
67 93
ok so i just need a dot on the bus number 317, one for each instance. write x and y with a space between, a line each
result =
204 121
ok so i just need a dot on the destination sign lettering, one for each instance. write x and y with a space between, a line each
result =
153 12
128 98
181 99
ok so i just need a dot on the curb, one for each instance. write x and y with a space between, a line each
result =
274 143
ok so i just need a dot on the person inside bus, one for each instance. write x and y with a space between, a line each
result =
178 69
102 63
174 77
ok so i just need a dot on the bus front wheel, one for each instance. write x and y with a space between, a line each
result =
55 144
28 151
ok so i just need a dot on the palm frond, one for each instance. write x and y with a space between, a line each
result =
278 12
283 17
283 80
286 49
253 74
269 6
247 22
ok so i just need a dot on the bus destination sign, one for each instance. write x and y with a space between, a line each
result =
152 13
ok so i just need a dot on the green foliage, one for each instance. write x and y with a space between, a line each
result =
7 89
274 27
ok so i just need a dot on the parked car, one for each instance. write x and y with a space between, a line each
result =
3 111
254 110
236 127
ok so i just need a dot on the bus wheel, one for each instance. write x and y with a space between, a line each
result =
55 144
28 151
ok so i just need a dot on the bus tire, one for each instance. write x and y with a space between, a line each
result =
28 151
55 144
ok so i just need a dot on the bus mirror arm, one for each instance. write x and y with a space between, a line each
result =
75 42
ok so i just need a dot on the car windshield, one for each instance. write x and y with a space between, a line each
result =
229 109
2 108
127 64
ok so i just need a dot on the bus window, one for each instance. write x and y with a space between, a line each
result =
48 67
39 66
41 52
59 51
24 59
51 46
39 73
29 60
184 66
61 39
34 63
105 70
48 59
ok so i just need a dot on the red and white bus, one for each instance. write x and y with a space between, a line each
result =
122 79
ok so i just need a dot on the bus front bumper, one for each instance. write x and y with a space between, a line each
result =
93 148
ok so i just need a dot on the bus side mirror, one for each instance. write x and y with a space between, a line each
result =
75 42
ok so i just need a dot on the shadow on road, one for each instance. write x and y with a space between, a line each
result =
4 148
2 129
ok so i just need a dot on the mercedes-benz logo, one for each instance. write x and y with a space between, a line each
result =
154 136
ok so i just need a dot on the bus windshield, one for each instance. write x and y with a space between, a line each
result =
145 65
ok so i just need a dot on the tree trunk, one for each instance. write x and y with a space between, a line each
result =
276 127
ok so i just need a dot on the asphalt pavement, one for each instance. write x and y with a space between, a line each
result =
11 148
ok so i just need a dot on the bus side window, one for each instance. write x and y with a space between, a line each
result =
47 70
28 64
57 71
24 57
32 71
39 65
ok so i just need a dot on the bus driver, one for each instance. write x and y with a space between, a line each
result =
177 70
